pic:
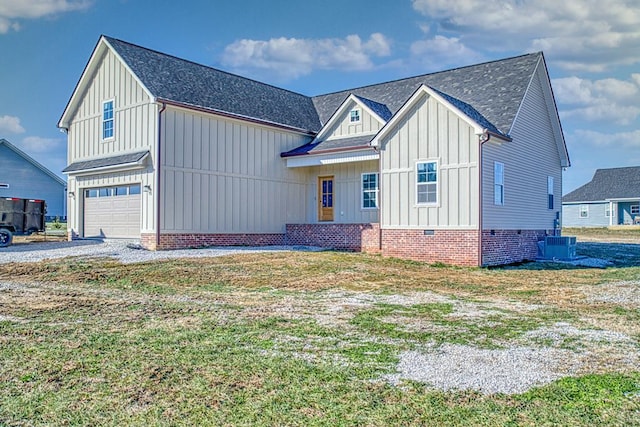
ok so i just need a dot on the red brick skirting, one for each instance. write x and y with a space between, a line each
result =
351 237
456 247
182 241
501 247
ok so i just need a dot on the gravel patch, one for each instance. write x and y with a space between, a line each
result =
623 293
125 251
561 331
509 371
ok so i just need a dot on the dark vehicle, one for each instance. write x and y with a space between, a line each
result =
20 217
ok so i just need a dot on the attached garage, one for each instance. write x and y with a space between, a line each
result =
112 212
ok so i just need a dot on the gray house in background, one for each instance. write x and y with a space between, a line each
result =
21 176
612 197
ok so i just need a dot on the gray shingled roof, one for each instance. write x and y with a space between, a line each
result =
174 79
330 145
380 109
106 161
494 90
616 183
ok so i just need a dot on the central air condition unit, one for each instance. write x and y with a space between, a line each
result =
560 247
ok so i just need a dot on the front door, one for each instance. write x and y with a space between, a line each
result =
325 198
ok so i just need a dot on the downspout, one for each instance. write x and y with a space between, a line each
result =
379 197
482 138
158 176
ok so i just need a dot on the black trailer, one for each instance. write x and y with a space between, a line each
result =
20 217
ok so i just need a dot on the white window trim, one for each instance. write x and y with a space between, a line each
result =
607 211
501 184
113 119
583 208
415 183
550 192
353 122
376 191
637 209
3 185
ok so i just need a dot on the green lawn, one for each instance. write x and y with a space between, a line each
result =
302 339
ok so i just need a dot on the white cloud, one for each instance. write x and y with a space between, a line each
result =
291 57
10 124
441 51
607 100
36 144
629 139
13 10
590 35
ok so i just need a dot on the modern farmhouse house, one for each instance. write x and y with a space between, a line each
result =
23 177
612 197
461 166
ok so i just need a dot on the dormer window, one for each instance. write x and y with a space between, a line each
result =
107 120
354 116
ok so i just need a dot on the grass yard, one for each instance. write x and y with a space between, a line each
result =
314 339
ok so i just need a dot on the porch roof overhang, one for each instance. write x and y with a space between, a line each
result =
330 157
623 199
129 161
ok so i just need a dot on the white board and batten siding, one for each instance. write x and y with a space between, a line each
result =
430 132
347 192
135 130
221 175
343 128
529 159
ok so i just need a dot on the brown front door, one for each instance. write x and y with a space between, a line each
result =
325 198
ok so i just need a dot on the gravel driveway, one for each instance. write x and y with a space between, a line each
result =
126 251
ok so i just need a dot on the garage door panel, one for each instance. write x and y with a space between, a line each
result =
112 216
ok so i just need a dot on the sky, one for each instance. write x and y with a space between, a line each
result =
592 50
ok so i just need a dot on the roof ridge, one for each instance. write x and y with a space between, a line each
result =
429 74
202 65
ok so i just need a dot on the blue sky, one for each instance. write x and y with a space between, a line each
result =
592 48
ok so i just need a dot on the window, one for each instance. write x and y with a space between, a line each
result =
4 185
91 193
107 120
607 211
354 116
427 182
498 183
584 211
121 191
134 189
369 190
550 192
635 209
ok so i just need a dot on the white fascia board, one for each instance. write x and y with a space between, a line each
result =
624 199
332 158
342 109
421 91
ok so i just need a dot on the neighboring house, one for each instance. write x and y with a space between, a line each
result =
23 177
462 166
612 197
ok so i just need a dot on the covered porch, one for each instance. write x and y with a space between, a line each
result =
624 211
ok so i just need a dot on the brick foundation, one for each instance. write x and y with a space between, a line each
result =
501 247
456 247
183 241
351 237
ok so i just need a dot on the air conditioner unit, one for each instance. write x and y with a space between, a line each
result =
560 247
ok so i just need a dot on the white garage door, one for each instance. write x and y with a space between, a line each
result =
112 212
